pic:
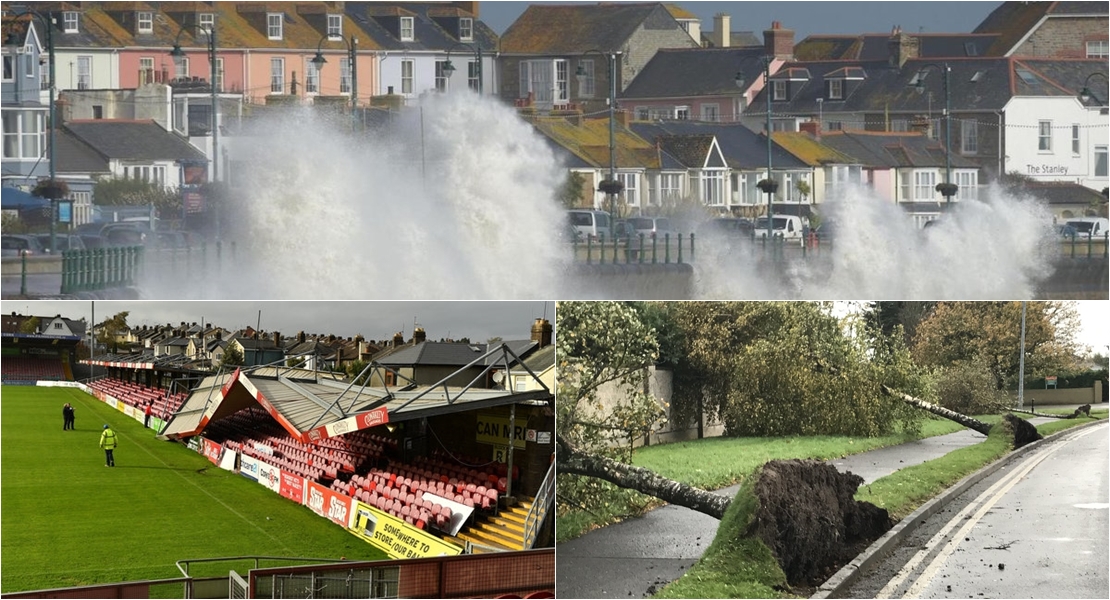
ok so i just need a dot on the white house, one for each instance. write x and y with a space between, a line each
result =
1057 139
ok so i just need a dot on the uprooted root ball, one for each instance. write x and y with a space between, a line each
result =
808 517
1024 431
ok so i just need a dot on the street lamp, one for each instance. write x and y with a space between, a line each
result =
1086 94
946 189
178 53
53 190
611 186
449 69
352 53
768 186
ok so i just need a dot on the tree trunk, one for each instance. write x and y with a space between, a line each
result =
570 461
940 411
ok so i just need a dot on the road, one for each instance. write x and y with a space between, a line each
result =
1036 528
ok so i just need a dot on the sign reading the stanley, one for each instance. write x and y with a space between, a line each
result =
494 429
397 538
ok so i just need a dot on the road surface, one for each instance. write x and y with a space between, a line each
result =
1036 528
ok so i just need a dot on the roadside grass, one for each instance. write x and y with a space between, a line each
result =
714 463
735 566
69 521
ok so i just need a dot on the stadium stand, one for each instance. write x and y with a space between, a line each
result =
163 404
29 369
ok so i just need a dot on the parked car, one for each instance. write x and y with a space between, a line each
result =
657 227
590 223
787 227
623 230
1095 227
64 241
14 245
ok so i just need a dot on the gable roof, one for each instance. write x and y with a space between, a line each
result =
590 142
1013 21
451 354
434 25
810 150
75 156
576 28
742 148
876 46
133 140
684 72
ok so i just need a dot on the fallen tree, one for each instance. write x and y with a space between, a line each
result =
1024 432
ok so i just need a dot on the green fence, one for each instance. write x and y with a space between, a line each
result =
101 268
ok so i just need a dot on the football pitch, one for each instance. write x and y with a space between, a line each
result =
68 520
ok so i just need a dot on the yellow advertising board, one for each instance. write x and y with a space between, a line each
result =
494 429
396 537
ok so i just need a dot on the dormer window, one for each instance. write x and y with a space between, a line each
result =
466 29
274 22
69 21
146 22
205 23
335 26
407 27
836 89
778 90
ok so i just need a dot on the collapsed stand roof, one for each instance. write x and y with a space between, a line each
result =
312 406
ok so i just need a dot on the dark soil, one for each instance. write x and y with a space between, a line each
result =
1082 410
808 517
1024 431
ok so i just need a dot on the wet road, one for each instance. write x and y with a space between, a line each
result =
1036 528
633 558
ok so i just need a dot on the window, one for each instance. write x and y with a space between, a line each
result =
682 113
274 23
345 75
1098 49
1100 161
441 77
466 29
146 22
562 85
28 64
57 325
713 188
969 136
407 67
588 87
277 75
24 134
70 20
1044 136
836 89
146 70
9 67
710 112
670 188
311 77
969 185
148 173
406 29
778 90
642 113
1075 139
98 111
205 23
473 72
335 26
900 125
924 183
181 67
84 72
631 194
219 74
536 79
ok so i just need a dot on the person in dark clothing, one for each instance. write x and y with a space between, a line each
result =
67 416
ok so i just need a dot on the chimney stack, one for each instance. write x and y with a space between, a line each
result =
902 47
398 339
779 42
541 332
723 26
300 337
277 339
418 335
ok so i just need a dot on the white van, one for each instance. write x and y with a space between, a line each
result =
589 223
787 227
1095 227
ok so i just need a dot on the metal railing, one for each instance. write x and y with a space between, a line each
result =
539 509
638 249
100 268
1085 246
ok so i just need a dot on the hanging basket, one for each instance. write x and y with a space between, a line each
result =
768 186
51 189
610 186
947 189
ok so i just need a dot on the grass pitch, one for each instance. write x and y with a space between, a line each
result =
68 520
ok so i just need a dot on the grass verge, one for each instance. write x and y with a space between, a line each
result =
69 521
735 566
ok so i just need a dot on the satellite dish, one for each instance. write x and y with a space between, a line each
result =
498 376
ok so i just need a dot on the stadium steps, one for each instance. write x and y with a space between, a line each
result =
505 532
67 370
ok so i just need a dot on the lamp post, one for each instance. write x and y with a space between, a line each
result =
611 186
946 189
52 189
449 69
352 54
768 186
177 53
1086 94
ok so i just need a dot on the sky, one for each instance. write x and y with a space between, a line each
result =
478 321
805 18
378 320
